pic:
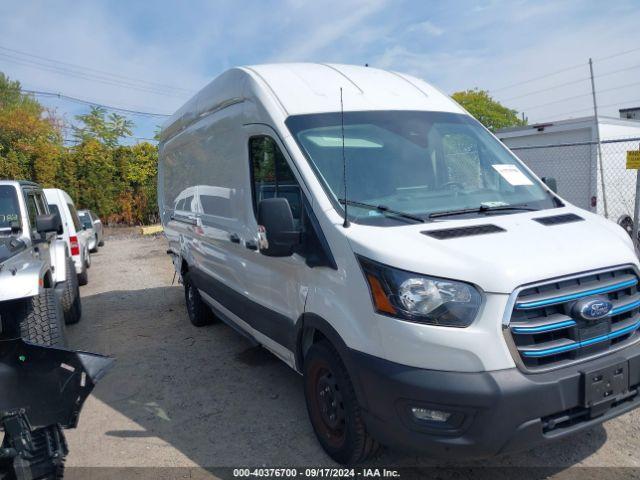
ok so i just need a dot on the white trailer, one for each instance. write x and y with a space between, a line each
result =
567 150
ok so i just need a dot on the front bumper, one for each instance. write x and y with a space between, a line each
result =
491 412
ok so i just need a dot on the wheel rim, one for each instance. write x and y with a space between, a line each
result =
328 405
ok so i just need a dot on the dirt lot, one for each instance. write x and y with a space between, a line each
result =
180 396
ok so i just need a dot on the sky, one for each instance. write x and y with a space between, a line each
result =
152 56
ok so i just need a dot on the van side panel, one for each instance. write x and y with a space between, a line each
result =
204 193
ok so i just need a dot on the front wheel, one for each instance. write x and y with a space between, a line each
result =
43 320
333 407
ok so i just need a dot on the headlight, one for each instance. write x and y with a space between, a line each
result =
420 298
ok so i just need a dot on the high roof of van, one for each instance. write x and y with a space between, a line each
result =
303 88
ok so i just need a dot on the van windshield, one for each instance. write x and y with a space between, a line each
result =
419 163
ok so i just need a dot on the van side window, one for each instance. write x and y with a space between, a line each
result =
272 176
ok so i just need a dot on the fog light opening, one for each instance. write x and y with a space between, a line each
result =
430 415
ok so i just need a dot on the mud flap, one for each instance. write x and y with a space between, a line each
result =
42 390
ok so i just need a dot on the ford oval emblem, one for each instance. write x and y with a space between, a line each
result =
593 309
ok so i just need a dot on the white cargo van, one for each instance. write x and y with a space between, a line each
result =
434 293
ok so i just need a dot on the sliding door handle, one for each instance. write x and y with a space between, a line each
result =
234 237
251 245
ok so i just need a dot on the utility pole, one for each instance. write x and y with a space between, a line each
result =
599 159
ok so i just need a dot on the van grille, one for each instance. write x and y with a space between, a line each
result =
547 333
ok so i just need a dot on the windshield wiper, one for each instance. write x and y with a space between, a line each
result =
382 209
482 209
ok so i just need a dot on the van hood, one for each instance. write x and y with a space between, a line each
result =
525 252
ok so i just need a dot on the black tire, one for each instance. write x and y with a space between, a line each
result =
101 244
199 312
83 276
333 408
71 303
43 321
95 249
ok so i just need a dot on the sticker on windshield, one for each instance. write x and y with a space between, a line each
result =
494 204
512 174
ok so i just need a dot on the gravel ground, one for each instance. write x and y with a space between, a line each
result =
181 396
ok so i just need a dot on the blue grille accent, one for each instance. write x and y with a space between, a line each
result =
584 343
624 308
544 328
575 296
548 331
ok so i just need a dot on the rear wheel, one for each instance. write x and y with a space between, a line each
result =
71 303
199 312
43 320
96 245
83 276
333 407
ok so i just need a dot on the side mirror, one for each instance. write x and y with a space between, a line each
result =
48 223
275 217
551 183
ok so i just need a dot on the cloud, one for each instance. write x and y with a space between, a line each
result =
427 27
454 45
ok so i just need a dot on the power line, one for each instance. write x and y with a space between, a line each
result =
73 129
606 74
562 70
537 78
616 55
581 95
96 71
616 104
95 104
553 87
547 89
86 76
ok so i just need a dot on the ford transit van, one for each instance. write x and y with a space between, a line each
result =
433 292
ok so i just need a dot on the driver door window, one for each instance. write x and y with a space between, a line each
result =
272 177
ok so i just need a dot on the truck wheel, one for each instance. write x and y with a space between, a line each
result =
43 322
96 245
333 407
199 312
71 303
83 276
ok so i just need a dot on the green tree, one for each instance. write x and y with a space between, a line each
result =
491 113
107 129
30 136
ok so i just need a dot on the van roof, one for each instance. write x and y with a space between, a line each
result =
303 88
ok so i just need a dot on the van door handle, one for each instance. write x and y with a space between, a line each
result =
251 245
234 237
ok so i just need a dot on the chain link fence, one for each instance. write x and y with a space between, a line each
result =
605 187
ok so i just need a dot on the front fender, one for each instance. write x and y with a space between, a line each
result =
21 279
49 384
